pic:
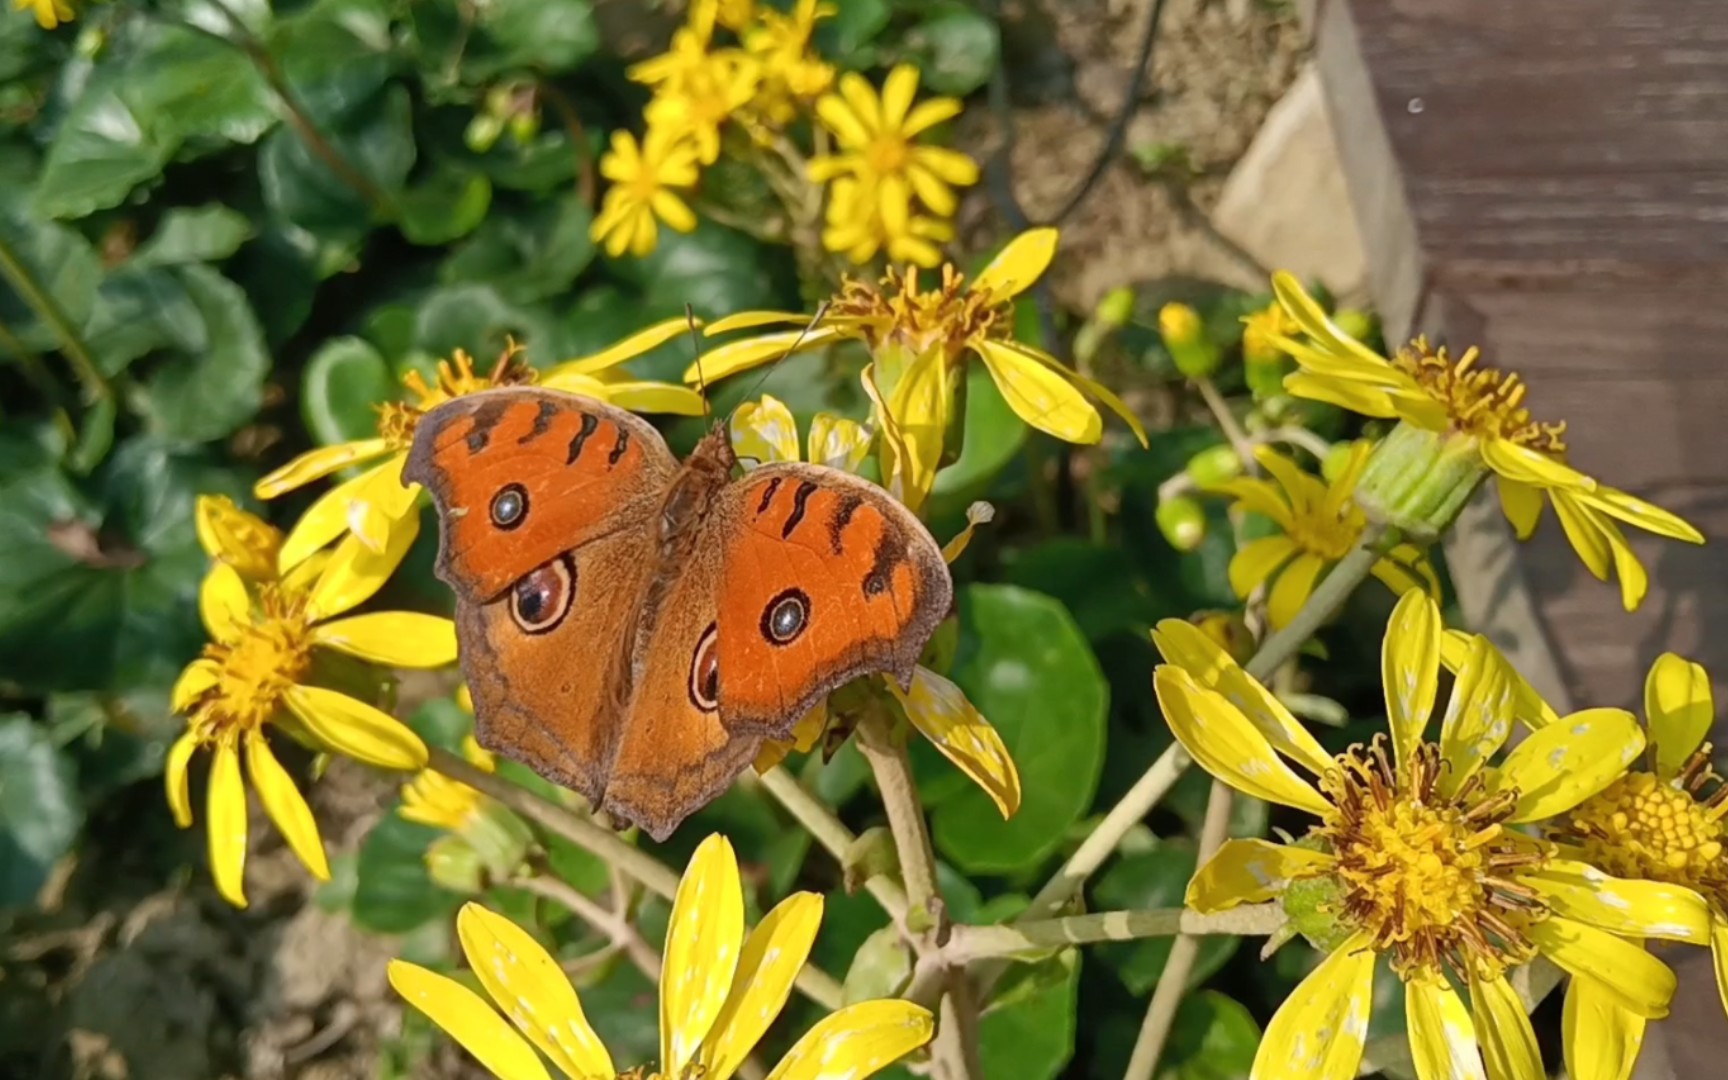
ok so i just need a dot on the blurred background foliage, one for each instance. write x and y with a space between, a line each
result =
228 228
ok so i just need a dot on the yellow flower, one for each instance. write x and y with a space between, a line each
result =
1261 332
643 178
1478 413
1665 824
1320 526
49 13
690 110
376 504
237 537
434 799
1415 859
855 229
734 15
791 73
766 431
719 992
918 340
259 671
877 138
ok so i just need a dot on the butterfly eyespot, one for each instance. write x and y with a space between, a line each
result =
540 600
510 506
705 671
786 616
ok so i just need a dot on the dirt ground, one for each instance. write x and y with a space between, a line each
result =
126 976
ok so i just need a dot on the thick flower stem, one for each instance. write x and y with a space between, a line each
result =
819 821
47 309
1031 939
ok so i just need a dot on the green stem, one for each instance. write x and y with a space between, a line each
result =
974 943
829 831
96 386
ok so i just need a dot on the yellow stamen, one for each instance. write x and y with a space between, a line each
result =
456 377
898 312
270 656
1643 827
1429 876
1480 401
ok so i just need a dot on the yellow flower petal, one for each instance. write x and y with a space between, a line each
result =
1365 400
978 513
858 1041
316 464
651 397
354 572
328 517
1350 357
1600 1039
1585 535
527 983
1018 265
918 412
226 824
702 942
1318 1032
380 501
1638 981
282 801
1259 496
1632 908
1527 466
197 678
1226 743
1679 709
1563 764
1258 560
236 536
1530 706
1719 956
927 114
837 442
764 431
1522 505
469 1020
1203 658
1639 514
635 345
405 639
1251 872
357 729
1478 716
1039 396
773 954
1295 584
1504 1032
940 711
224 604
1410 671
1091 386
174 774
1442 1038
746 353
1634 579
1405 568
750 320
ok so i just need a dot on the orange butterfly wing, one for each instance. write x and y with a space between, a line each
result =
547 503
826 577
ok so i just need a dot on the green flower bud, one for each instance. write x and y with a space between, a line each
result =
1265 377
483 131
499 837
1214 465
1332 465
1196 355
1418 481
1116 308
525 125
455 865
1182 522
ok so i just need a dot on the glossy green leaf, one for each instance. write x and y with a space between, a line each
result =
377 140
336 57
139 310
1026 666
716 270
854 25
1098 583
203 234
1214 1037
1153 879
101 151
393 893
1028 1033
543 35
447 207
528 254
40 812
62 264
955 50
207 394
478 319
193 86
343 384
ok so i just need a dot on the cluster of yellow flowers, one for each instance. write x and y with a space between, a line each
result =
886 191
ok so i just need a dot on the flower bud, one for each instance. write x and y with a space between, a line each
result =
453 864
1214 465
1265 377
1356 324
483 131
1337 459
525 125
1184 335
1182 522
1418 481
1116 308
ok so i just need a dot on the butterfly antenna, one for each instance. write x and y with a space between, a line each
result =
809 328
701 379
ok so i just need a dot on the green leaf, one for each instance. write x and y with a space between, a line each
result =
854 25
394 893
40 813
339 393
1025 665
100 152
716 270
377 141
1028 1033
1098 583
336 57
1214 1038
1154 879
138 311
447 207
476 318
527 255
204 234
955 50
99 587
543 35
206 395
192 86
63 266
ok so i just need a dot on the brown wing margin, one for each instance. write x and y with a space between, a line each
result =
826 578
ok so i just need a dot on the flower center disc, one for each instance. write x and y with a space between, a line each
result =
256 671
1641 827
1480 401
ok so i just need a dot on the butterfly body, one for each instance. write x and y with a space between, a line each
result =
634 627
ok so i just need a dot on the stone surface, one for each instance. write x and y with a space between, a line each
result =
1286 204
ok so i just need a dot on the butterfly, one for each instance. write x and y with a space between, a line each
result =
634 628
